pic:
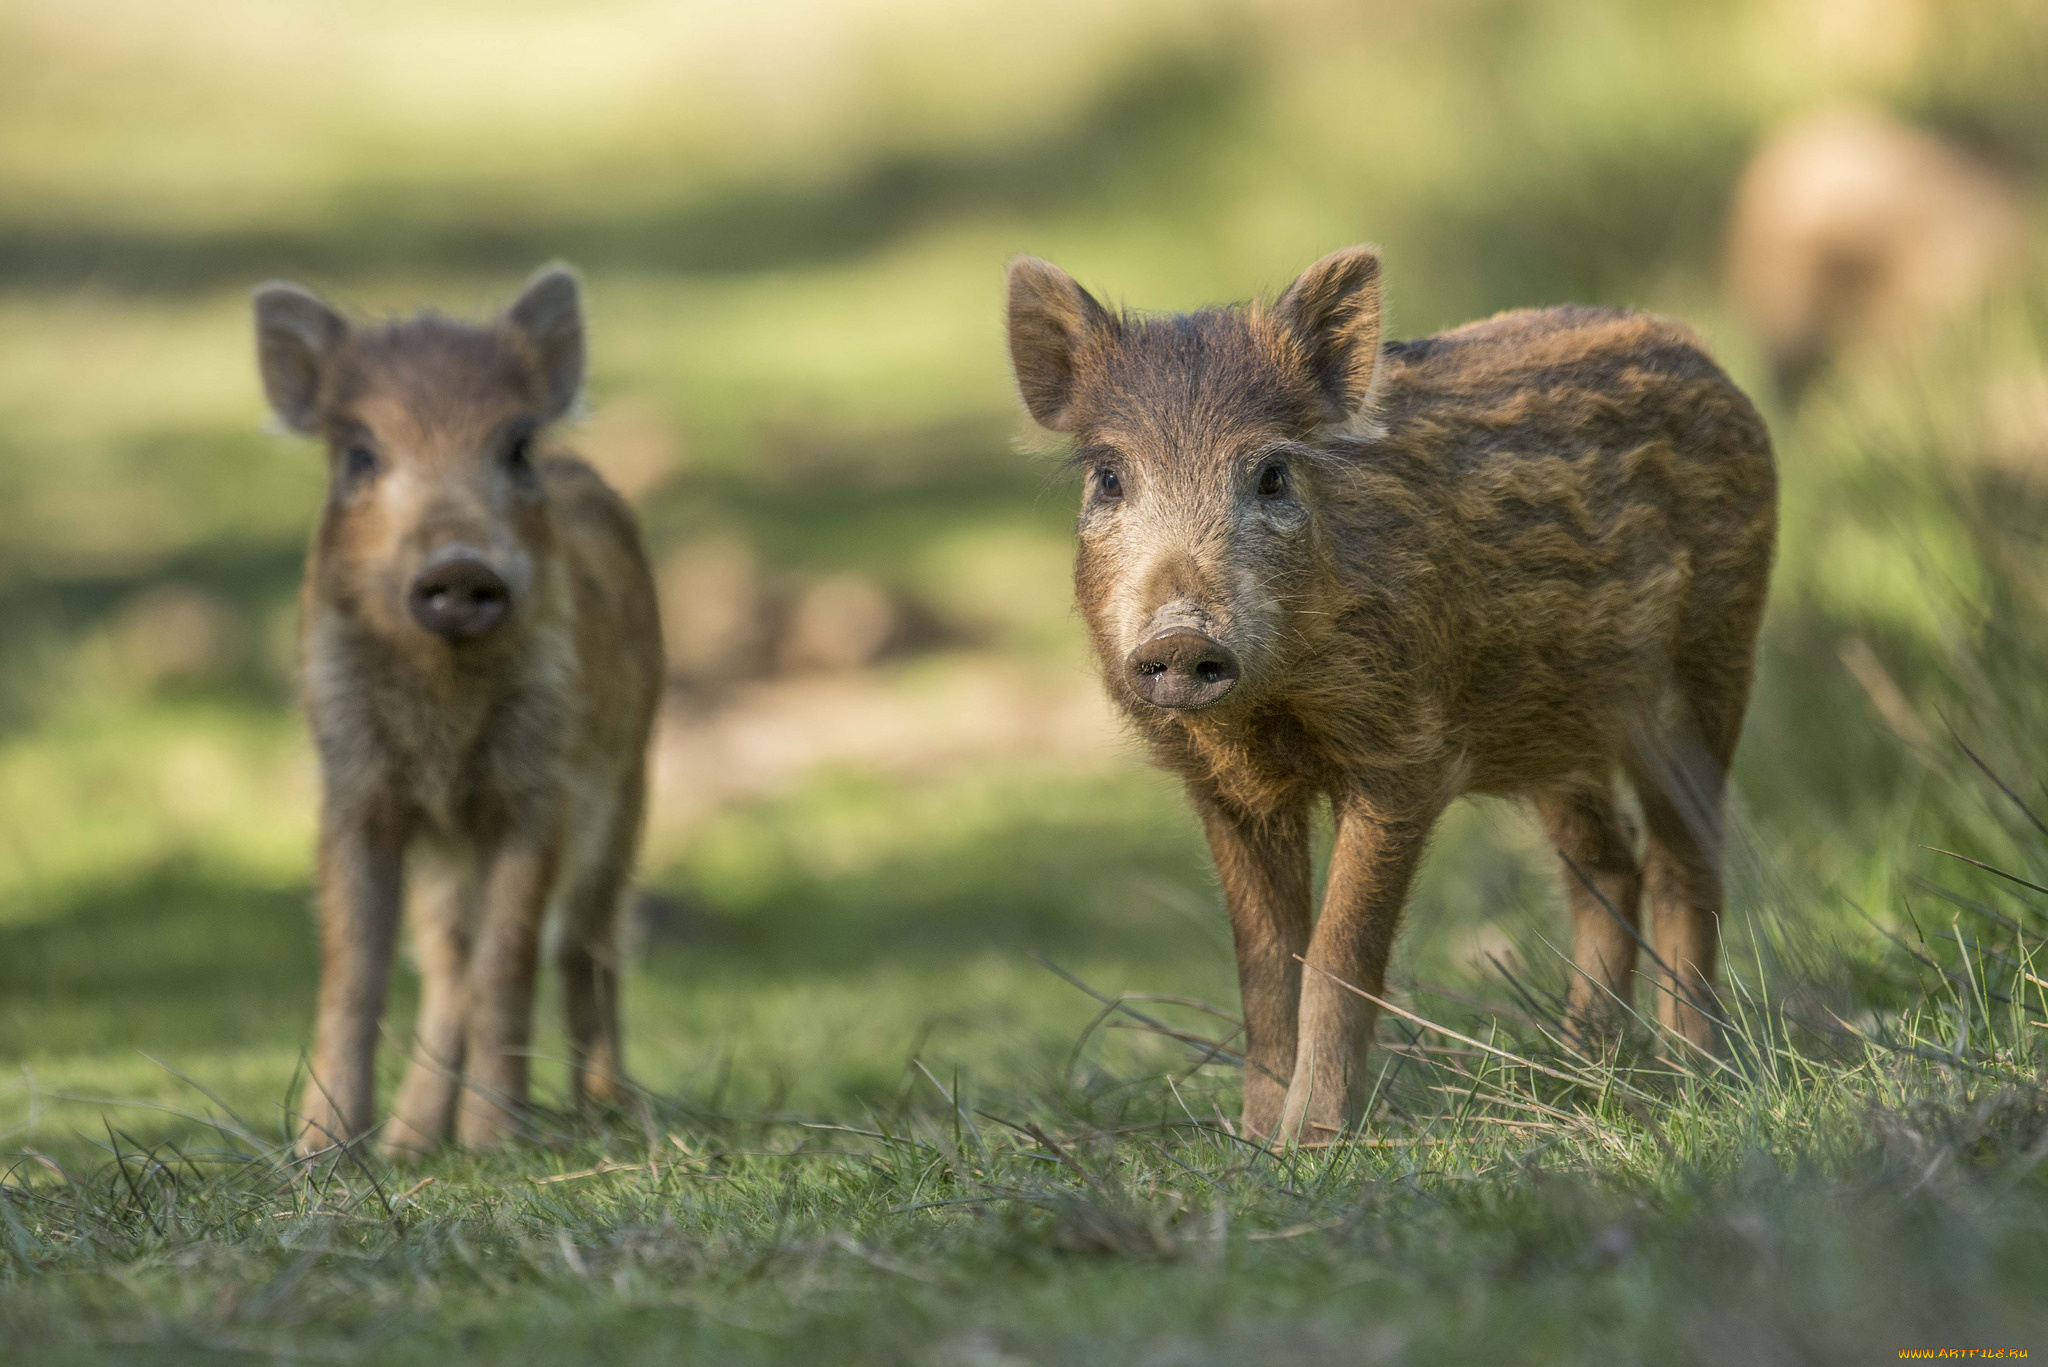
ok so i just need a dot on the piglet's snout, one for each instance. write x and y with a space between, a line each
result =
460 598
1182 668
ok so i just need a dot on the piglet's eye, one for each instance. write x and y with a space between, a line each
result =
518 457
1272 480
1109 483
359 462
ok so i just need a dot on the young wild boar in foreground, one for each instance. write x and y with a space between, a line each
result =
1523 557
480 657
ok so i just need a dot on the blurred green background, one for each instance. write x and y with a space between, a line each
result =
885 775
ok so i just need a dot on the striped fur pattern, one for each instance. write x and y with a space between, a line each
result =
1525 557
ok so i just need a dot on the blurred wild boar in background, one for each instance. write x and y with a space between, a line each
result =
1849 225
481 661
1524 557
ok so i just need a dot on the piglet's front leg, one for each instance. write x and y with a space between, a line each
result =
1263 862
1371 865
361 894
499 984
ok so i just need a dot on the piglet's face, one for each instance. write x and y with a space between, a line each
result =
436 521
1201 549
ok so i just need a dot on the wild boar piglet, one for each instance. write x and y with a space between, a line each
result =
1524 557
480 659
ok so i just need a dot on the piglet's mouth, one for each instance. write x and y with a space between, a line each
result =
1182 669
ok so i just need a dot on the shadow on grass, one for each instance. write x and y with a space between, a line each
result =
181 957
186 956
1580 221
1147 130
873 503
250 581
1082 884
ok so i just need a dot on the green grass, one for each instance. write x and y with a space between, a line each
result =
878 1125
1822 1196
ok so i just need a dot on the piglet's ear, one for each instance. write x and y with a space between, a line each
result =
1050 320
549 314
296 336
1333 310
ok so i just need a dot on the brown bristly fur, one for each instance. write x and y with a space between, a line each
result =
492 786
1525 557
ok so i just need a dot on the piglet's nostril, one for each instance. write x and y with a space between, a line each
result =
460 599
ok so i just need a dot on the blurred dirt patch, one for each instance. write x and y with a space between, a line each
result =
717 615
175 633
633 444
726 620
1487 948
765 736
2015 417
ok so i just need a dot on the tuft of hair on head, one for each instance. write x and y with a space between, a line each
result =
1050 319
297 333
1332 310
548 316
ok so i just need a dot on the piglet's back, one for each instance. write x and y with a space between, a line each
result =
1581 420
1575 502
618 623
1567 378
